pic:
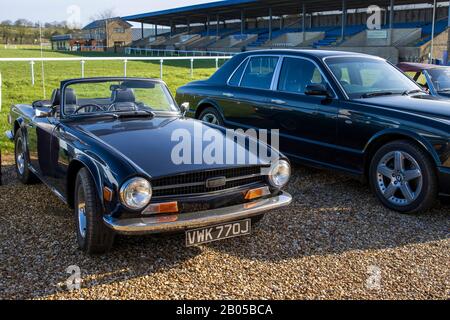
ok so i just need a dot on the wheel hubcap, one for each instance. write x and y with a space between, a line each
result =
210 118
399 178
81 208
20 156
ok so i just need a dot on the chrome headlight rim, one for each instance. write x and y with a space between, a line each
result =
275 167
125 188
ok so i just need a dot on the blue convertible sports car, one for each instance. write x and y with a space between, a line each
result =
105 147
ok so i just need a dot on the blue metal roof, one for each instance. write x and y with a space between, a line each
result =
192 8
231 9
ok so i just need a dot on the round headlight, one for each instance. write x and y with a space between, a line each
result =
136 193
280 173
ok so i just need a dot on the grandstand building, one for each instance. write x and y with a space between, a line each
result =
399 30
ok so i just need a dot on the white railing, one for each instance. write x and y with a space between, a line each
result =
125 60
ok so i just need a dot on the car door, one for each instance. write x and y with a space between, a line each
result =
248 90
40 131
307 123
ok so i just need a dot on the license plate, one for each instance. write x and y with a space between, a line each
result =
199 236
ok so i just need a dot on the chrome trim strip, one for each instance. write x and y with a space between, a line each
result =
149 225
235 70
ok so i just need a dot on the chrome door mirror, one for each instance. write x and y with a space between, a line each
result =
184 108
39 113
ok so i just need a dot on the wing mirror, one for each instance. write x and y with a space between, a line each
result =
184 108
317 90
39 113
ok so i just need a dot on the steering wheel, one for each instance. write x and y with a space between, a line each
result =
113 105
88 105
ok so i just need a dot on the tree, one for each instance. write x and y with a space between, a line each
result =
5 30
21 27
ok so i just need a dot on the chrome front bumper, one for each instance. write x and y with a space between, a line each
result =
156 224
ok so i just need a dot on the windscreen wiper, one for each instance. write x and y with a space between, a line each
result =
377 94
409 92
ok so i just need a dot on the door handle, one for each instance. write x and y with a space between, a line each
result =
229 95
277 101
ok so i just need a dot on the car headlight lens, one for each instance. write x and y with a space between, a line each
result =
136 193
280 173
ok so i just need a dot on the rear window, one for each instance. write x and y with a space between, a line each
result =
236 78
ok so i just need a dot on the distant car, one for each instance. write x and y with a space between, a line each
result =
344 111
103 145
433 78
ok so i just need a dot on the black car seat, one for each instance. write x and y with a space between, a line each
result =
123 99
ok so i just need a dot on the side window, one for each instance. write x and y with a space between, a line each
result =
296 74
234 81
259 72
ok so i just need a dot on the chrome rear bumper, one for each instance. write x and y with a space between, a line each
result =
180 222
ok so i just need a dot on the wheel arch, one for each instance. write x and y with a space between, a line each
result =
74 167
381 138
207 103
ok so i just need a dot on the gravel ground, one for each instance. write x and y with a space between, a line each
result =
334 242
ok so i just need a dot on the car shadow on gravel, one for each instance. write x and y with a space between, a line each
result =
330 214
38 246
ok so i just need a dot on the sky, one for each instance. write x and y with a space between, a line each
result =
81 11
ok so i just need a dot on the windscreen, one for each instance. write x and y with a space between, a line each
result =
86 98
360 76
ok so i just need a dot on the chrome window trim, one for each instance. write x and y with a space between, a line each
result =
335 96
235 70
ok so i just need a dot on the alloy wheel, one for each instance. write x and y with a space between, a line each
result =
81 208
210 118
20 156
399 178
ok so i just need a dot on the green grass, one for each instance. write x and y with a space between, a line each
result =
17 87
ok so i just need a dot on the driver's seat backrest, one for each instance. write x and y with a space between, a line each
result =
71 102
123 95
55 100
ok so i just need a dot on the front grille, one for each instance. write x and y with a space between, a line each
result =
195 182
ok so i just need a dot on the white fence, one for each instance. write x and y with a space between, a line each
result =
125 60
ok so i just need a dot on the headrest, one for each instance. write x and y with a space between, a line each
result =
55 100
70 96
123 95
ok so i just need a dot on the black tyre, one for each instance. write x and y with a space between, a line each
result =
93 236
403 177
22 158
211 115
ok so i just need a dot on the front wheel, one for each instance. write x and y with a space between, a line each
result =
403 178
21 156
93 235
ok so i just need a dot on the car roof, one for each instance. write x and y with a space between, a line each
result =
309 52
417 67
